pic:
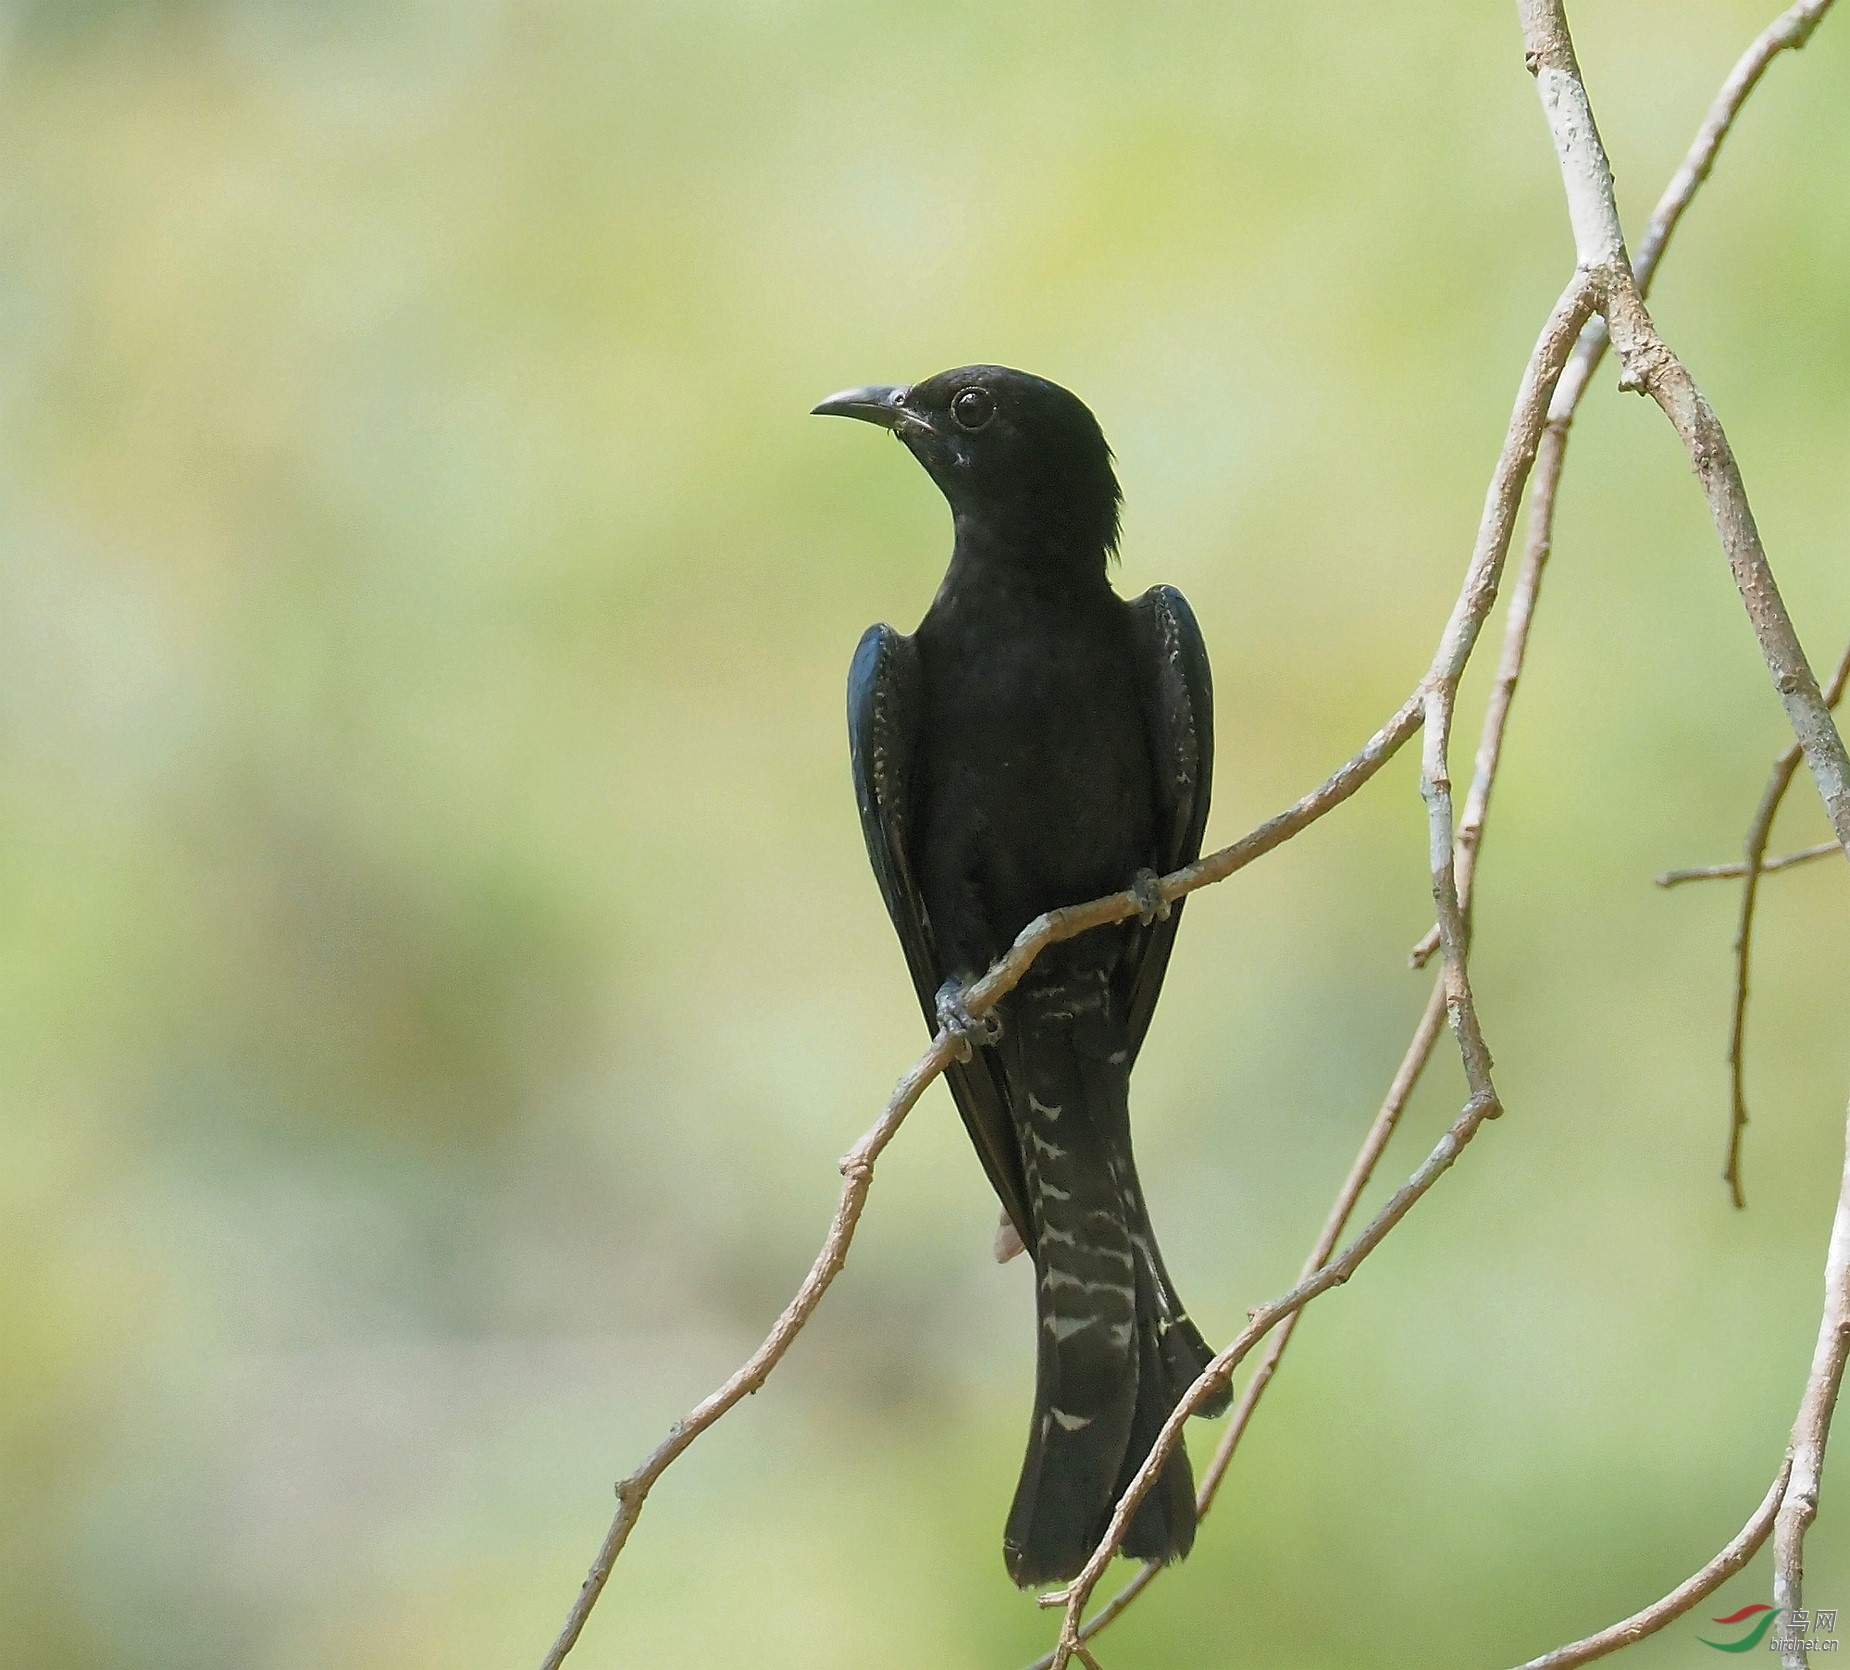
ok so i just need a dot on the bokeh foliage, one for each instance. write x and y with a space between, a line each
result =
439 966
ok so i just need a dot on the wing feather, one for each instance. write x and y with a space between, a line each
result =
885 710
1177 691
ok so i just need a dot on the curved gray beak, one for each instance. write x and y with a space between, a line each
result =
876 404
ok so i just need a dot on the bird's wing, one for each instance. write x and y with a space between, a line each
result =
885 709
1178 708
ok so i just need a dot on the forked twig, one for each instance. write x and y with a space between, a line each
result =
1752 867
1518 619
1733 872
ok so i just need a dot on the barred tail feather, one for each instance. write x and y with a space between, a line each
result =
1163 1528
1115 1349
1085 1393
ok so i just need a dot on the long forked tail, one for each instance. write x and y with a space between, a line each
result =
1116 1351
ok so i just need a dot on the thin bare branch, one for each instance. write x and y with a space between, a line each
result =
1478 595
857 1168
1790 31
1361 1172
1519 619
1683 1597
1267 1317
1413 1064
1790 1504
1786 33
1733 872
1813 1427
1651 366
1752 867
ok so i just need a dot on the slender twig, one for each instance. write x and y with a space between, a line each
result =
1791 1502
1518 619
1263 1320
1685 1595
1813 1426
1790 31
857 1168
1649 364
1521 616
1733 872
1419 1052
1786 33
1475 601
1751 868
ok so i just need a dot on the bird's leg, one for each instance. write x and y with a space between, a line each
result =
1151 905
971 1032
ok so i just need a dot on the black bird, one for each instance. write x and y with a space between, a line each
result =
1038 742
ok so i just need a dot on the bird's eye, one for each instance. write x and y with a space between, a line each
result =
973 407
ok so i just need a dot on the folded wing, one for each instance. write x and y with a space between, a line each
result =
884 712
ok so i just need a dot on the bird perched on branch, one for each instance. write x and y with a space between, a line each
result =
1039 742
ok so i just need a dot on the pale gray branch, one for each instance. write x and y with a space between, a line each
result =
1752 867
1733 872
1651 366
1786 33
1813 1427
1687 1594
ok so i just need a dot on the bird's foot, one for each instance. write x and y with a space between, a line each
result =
1147 888
969 1032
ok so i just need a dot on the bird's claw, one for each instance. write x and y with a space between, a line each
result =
1147 889
968 1032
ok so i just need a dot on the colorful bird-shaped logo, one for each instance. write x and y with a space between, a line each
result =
1752 1638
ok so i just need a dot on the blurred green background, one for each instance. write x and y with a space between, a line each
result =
440 967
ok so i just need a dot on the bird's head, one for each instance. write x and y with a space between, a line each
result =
1018 457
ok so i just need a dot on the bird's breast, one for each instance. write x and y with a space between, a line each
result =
1035 741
